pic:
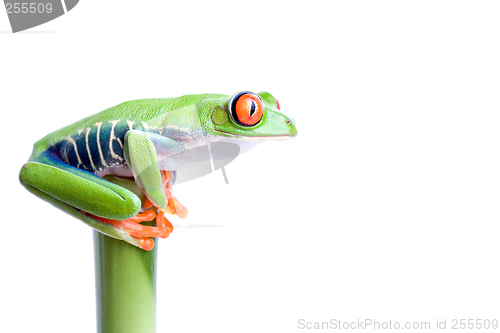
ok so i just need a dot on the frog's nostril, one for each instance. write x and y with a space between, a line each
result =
288 122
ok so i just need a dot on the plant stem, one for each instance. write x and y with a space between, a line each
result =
125 286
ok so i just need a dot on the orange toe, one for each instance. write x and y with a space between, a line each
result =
147 244
164 225
180 209
148 215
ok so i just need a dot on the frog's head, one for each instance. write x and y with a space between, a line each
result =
250 116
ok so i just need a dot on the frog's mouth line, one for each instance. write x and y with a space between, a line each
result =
259 138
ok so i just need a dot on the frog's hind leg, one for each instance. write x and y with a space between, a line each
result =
79 188
90 220
80 193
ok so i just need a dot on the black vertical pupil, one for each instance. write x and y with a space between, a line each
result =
252 108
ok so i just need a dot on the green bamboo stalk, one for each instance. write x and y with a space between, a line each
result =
125 286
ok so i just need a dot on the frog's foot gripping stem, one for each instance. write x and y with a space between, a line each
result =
163 227
134 228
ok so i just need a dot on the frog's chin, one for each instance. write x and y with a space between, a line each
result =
256 138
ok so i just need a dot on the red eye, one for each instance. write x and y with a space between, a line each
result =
278 105
247 109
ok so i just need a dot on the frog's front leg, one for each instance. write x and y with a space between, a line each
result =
141 156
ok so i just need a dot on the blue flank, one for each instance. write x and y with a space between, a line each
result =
69 155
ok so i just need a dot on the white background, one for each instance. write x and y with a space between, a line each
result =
386 206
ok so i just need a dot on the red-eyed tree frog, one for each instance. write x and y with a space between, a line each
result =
114 169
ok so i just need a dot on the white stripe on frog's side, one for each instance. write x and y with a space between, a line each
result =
113 137
88 148
103 162
130 125
75 147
